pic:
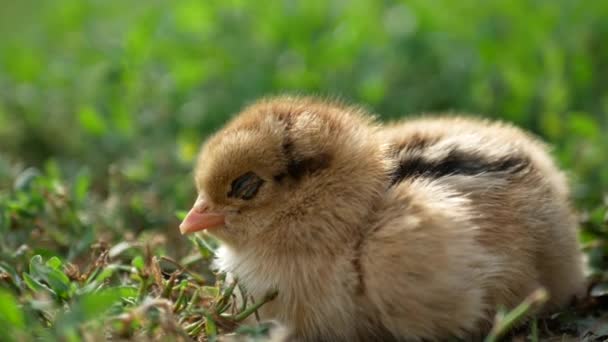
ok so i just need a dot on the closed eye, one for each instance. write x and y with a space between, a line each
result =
245 186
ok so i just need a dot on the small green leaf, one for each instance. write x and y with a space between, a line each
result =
56 279
54 263
210 291
35 285
92 121
138 263
35 259
105 274
210 327
52 170
81 185
257 331
181 214
11 316
94 304
206 248
89 288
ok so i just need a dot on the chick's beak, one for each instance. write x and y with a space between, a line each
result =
200 218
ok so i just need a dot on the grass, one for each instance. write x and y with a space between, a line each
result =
65 274
59 281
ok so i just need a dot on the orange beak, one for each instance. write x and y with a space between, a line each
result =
200 218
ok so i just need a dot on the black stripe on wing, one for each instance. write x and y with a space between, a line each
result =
456 163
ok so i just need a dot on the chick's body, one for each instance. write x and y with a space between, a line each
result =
416 230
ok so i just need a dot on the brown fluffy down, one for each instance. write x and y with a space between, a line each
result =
417 230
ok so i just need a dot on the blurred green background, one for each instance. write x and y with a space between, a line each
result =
104 103
125 92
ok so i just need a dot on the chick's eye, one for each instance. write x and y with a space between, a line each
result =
246 186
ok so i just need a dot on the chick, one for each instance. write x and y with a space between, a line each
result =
416 230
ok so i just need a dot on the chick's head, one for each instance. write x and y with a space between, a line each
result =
284 168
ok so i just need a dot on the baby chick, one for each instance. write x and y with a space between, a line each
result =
417 230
